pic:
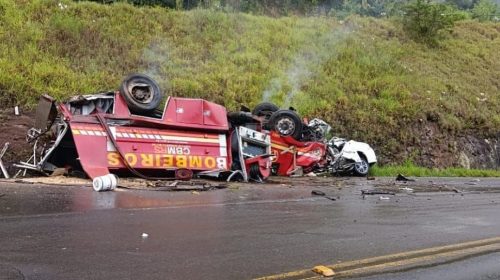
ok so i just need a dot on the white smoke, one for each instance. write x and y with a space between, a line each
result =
310 57
155 62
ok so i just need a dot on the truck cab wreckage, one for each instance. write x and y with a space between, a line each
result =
125 133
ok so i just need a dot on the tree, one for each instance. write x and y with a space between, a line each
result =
462 4
485 10
427 21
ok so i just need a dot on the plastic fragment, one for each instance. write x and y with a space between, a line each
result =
323 270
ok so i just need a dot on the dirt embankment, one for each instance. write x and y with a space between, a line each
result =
433 147
13 131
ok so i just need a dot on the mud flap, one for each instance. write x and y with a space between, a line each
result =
91 148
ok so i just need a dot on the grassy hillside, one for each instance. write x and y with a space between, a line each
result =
362 75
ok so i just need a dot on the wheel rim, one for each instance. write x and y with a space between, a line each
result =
141 92
285 126
361 167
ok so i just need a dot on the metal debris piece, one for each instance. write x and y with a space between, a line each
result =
402 178
316 192
373 192
384 198
2 167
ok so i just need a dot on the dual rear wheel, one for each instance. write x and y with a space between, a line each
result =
285 122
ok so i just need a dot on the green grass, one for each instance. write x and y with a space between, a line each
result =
418 171
364 76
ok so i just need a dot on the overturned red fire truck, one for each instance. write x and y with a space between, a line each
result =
130 132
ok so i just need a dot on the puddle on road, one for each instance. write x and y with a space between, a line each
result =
30 199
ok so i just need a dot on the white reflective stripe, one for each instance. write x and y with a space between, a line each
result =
109 146
222 145
118 134
83 132
157 136
164 137
151 136
125 135
113 131
131 135
144 136
90 132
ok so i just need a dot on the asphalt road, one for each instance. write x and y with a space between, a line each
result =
64 232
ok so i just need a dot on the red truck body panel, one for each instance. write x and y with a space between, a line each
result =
290 154
191 134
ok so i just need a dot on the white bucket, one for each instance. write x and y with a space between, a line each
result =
105 183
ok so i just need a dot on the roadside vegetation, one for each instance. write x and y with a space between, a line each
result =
366 76
410 169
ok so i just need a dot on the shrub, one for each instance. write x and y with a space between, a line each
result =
485 10
427 21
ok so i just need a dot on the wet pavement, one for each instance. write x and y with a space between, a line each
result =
479 268
247 231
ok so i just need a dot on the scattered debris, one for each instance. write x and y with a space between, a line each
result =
456 190
311 174
195 192
406 189
316 192
193 185
402 178
16 111
323 270
373 192
59 172
371 178
62 6
320 193
384 198
145 235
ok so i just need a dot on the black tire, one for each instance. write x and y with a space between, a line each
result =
361 169
265 109
239 118
142 94
286 123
